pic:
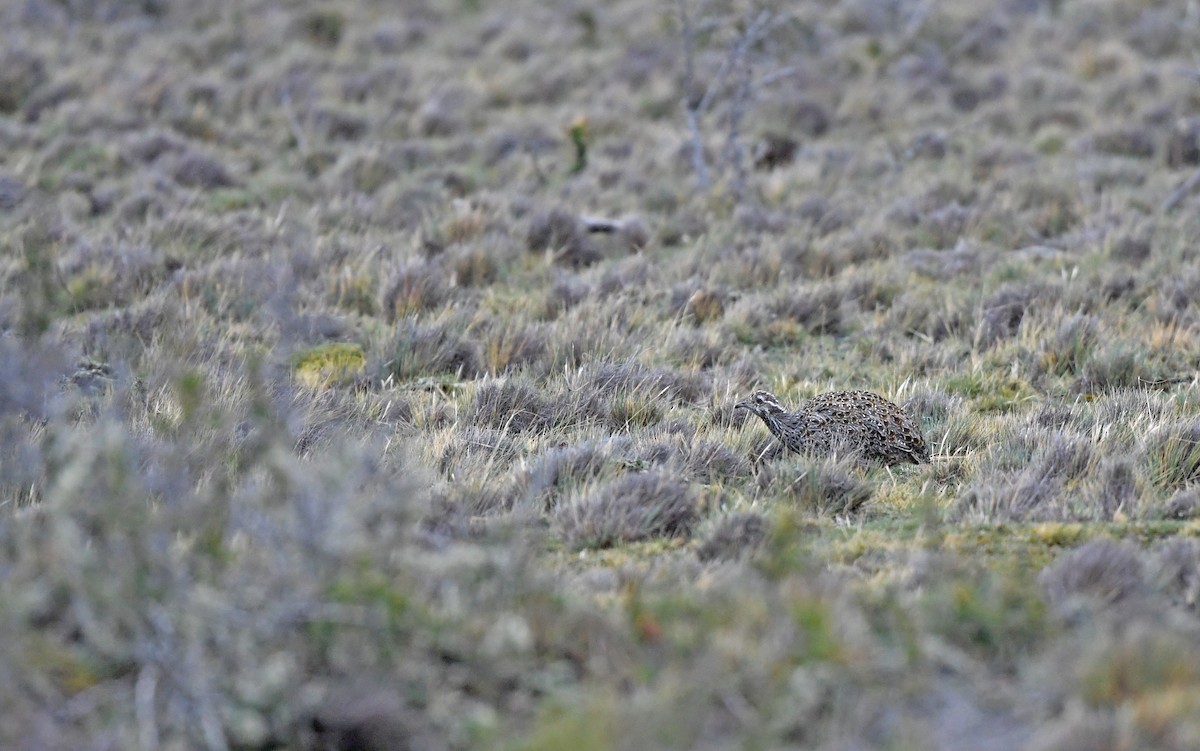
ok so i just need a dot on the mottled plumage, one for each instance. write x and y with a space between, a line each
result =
857 421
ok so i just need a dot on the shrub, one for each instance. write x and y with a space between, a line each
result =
355 292
368 172
702 349
942 265
1064 457
184 529
934 313
332 414
1156 32
447 111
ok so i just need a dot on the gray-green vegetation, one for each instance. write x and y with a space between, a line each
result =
367 374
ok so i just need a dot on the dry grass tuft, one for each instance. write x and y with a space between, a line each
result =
554 474
1103 570
735 536
563 235
417 287
825 486
629 508
417 350
1172 456
511 406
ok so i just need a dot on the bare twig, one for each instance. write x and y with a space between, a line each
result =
537 168
1183 191
143 701
735 150
285 102
206 708
738 64
915 22
692 112
742 94
776 75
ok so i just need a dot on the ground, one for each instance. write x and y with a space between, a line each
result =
328 422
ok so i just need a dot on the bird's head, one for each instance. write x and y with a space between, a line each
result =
761 403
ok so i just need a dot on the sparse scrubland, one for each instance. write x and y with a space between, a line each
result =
328 424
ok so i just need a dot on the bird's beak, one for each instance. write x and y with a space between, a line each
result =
741 405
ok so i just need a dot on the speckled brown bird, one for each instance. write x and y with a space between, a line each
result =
858 421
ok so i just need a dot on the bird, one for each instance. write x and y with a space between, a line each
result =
856 421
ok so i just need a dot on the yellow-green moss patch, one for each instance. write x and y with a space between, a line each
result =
328 364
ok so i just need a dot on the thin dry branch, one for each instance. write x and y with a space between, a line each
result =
1186 188
737 63
692 113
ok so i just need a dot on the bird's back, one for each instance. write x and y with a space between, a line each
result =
864 422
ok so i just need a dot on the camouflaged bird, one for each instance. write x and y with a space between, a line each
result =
854 421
